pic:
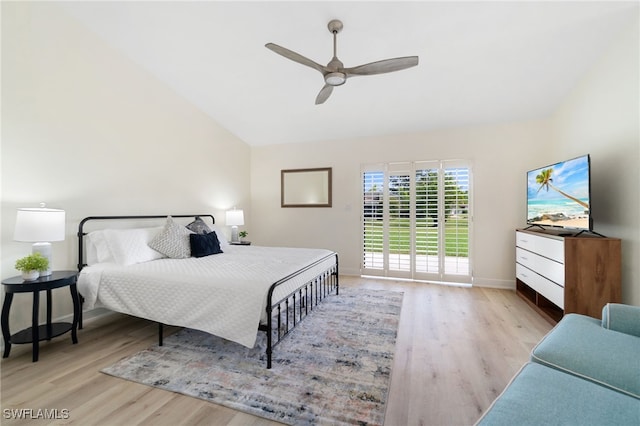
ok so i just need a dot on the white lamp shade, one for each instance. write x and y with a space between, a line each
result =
39 225
235 217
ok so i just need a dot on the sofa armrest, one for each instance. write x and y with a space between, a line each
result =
622 318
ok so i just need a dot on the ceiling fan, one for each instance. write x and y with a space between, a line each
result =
334 73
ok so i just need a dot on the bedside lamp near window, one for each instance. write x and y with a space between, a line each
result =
234 219
40 226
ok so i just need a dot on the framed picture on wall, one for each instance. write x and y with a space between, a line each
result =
305 187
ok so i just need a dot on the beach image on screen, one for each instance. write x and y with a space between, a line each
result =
558 195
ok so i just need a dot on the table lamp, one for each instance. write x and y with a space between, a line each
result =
40 226
234 219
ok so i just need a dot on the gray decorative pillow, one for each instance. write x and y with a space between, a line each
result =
199 226
172 241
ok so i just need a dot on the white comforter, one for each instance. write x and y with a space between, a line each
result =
224 294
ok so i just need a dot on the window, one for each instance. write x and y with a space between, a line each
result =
416 220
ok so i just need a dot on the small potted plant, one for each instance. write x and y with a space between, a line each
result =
243 235
31 265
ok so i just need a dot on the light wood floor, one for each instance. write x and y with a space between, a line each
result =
457 348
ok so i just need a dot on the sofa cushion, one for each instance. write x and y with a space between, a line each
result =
539 395
579 345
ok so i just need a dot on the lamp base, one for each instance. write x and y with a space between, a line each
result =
45 250
234 234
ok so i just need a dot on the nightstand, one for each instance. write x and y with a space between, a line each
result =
36 332
240 243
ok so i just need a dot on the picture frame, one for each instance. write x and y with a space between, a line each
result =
306 187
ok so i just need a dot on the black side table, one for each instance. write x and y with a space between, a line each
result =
36 333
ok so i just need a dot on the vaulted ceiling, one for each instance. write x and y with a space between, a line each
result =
480 62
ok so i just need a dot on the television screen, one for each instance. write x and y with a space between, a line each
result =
559 194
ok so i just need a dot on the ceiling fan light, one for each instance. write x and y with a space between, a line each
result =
335 78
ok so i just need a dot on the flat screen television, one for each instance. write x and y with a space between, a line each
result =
560 194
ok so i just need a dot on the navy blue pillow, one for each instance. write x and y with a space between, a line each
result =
204 244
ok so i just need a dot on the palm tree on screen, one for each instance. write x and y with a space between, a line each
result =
544 179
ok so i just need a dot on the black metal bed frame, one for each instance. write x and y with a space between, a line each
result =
285 314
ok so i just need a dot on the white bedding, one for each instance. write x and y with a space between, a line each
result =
223 294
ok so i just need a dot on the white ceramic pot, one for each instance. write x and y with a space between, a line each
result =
30 275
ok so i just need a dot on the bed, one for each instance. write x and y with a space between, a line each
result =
184 273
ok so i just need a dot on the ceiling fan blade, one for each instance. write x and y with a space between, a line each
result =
384 66
296 57
324 94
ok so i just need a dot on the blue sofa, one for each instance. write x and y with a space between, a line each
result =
583 372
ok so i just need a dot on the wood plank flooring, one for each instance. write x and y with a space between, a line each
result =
457 348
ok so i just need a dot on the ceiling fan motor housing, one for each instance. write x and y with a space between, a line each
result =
335 77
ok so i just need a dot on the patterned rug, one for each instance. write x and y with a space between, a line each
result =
334 368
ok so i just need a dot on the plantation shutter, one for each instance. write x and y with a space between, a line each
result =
416 220
399 223
372 217
427 217
456 199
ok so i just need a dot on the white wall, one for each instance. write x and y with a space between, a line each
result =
87 130
602 117
500 155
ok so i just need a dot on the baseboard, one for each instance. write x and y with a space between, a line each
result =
349 271
494 283
86 316
477 282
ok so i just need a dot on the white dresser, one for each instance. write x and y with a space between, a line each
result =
560 274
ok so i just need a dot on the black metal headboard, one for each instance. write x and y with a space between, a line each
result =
81 232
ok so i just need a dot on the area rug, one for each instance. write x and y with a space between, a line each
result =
334 368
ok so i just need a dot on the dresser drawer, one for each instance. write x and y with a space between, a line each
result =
544 246
548 268
545 287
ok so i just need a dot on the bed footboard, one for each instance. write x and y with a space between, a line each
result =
285 314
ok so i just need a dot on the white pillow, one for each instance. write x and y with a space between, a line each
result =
221 236
129 246
97 249
91 254
173 240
